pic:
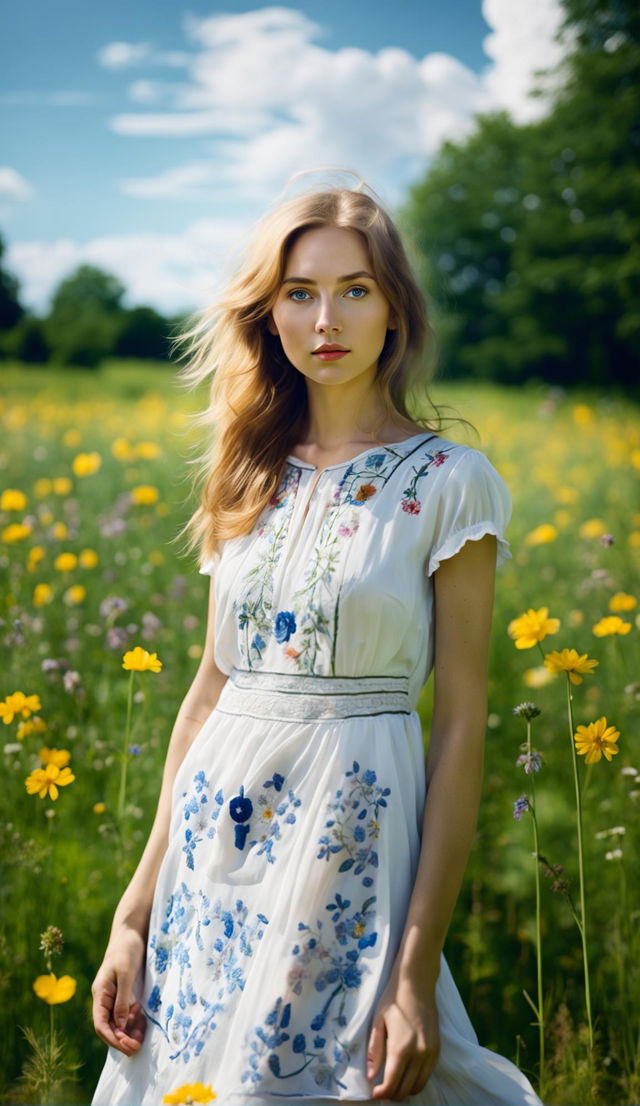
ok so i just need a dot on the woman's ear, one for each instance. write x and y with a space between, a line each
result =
271 326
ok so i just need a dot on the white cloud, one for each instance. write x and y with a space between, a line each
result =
13 186
521 41
268 101
123 55
171 272
274 102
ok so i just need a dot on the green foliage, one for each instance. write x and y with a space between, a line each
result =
143 333
26 341
530 234
85 317
10 309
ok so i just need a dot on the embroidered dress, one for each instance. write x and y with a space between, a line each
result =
297 812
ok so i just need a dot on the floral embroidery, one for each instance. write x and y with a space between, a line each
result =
284 625
271 817
410 502
202 820
186 1021
254 615
356 840
329 958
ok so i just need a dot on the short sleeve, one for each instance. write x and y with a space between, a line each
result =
208 567
475 501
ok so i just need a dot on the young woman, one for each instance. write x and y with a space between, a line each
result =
281 939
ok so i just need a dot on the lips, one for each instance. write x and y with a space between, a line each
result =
333 348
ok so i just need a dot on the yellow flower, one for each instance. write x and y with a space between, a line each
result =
139 660
537 677
18 703
62 485
622 602
546 532
99 808
575 617
42 594
122 449
34 725
53 990
85 464
72 437
59 757
46 517
65 562
593 528
15 531
532 627
634 539
596 740
566 494
34 556
59 531
88 558
75 594
12 500
611 625
582 415
569 661
46 781
190 1092
42 487
156 557
144 494
148 450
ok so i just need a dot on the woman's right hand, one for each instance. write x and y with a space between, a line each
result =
118 1017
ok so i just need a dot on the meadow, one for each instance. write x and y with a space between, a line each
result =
95 482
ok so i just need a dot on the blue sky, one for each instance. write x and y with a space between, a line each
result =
147 137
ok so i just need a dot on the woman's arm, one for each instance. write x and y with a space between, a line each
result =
118 1020
135 905
464 593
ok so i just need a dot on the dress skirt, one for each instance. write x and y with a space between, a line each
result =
281 901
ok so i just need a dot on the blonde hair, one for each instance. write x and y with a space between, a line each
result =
258 399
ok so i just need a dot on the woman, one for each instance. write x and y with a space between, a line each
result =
281 939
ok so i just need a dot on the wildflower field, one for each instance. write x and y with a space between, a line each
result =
102 620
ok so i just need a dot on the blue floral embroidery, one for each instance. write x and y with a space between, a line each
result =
202 820
329 958
189 915
284 626
272 815
254 612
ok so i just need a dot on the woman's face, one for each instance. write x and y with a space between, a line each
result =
316 305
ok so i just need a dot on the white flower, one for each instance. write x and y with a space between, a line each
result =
615 854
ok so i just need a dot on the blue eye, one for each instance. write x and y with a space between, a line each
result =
355 288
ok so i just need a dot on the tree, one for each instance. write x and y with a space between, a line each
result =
530 234
10 309
143 333
85 317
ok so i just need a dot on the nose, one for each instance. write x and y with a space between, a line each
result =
327 320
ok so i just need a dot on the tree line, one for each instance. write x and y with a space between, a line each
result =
526 238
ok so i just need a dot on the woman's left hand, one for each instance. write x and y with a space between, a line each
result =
406 1019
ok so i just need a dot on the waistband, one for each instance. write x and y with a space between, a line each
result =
301 697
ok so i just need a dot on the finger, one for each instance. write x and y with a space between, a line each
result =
375 1052
122 1005
426 1071
406 1084
393 1073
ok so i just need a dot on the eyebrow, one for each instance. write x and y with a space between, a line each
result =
341 280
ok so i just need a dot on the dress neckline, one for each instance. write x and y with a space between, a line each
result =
370 449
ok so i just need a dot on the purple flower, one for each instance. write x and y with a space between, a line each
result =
520 807
135 750
531 762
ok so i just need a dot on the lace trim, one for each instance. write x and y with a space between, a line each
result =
305 698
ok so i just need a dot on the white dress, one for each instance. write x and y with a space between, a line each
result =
297 811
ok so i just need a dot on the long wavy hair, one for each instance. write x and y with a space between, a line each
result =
258 409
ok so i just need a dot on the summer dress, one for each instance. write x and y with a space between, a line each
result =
297 811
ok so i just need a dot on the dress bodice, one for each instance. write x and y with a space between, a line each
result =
336 576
